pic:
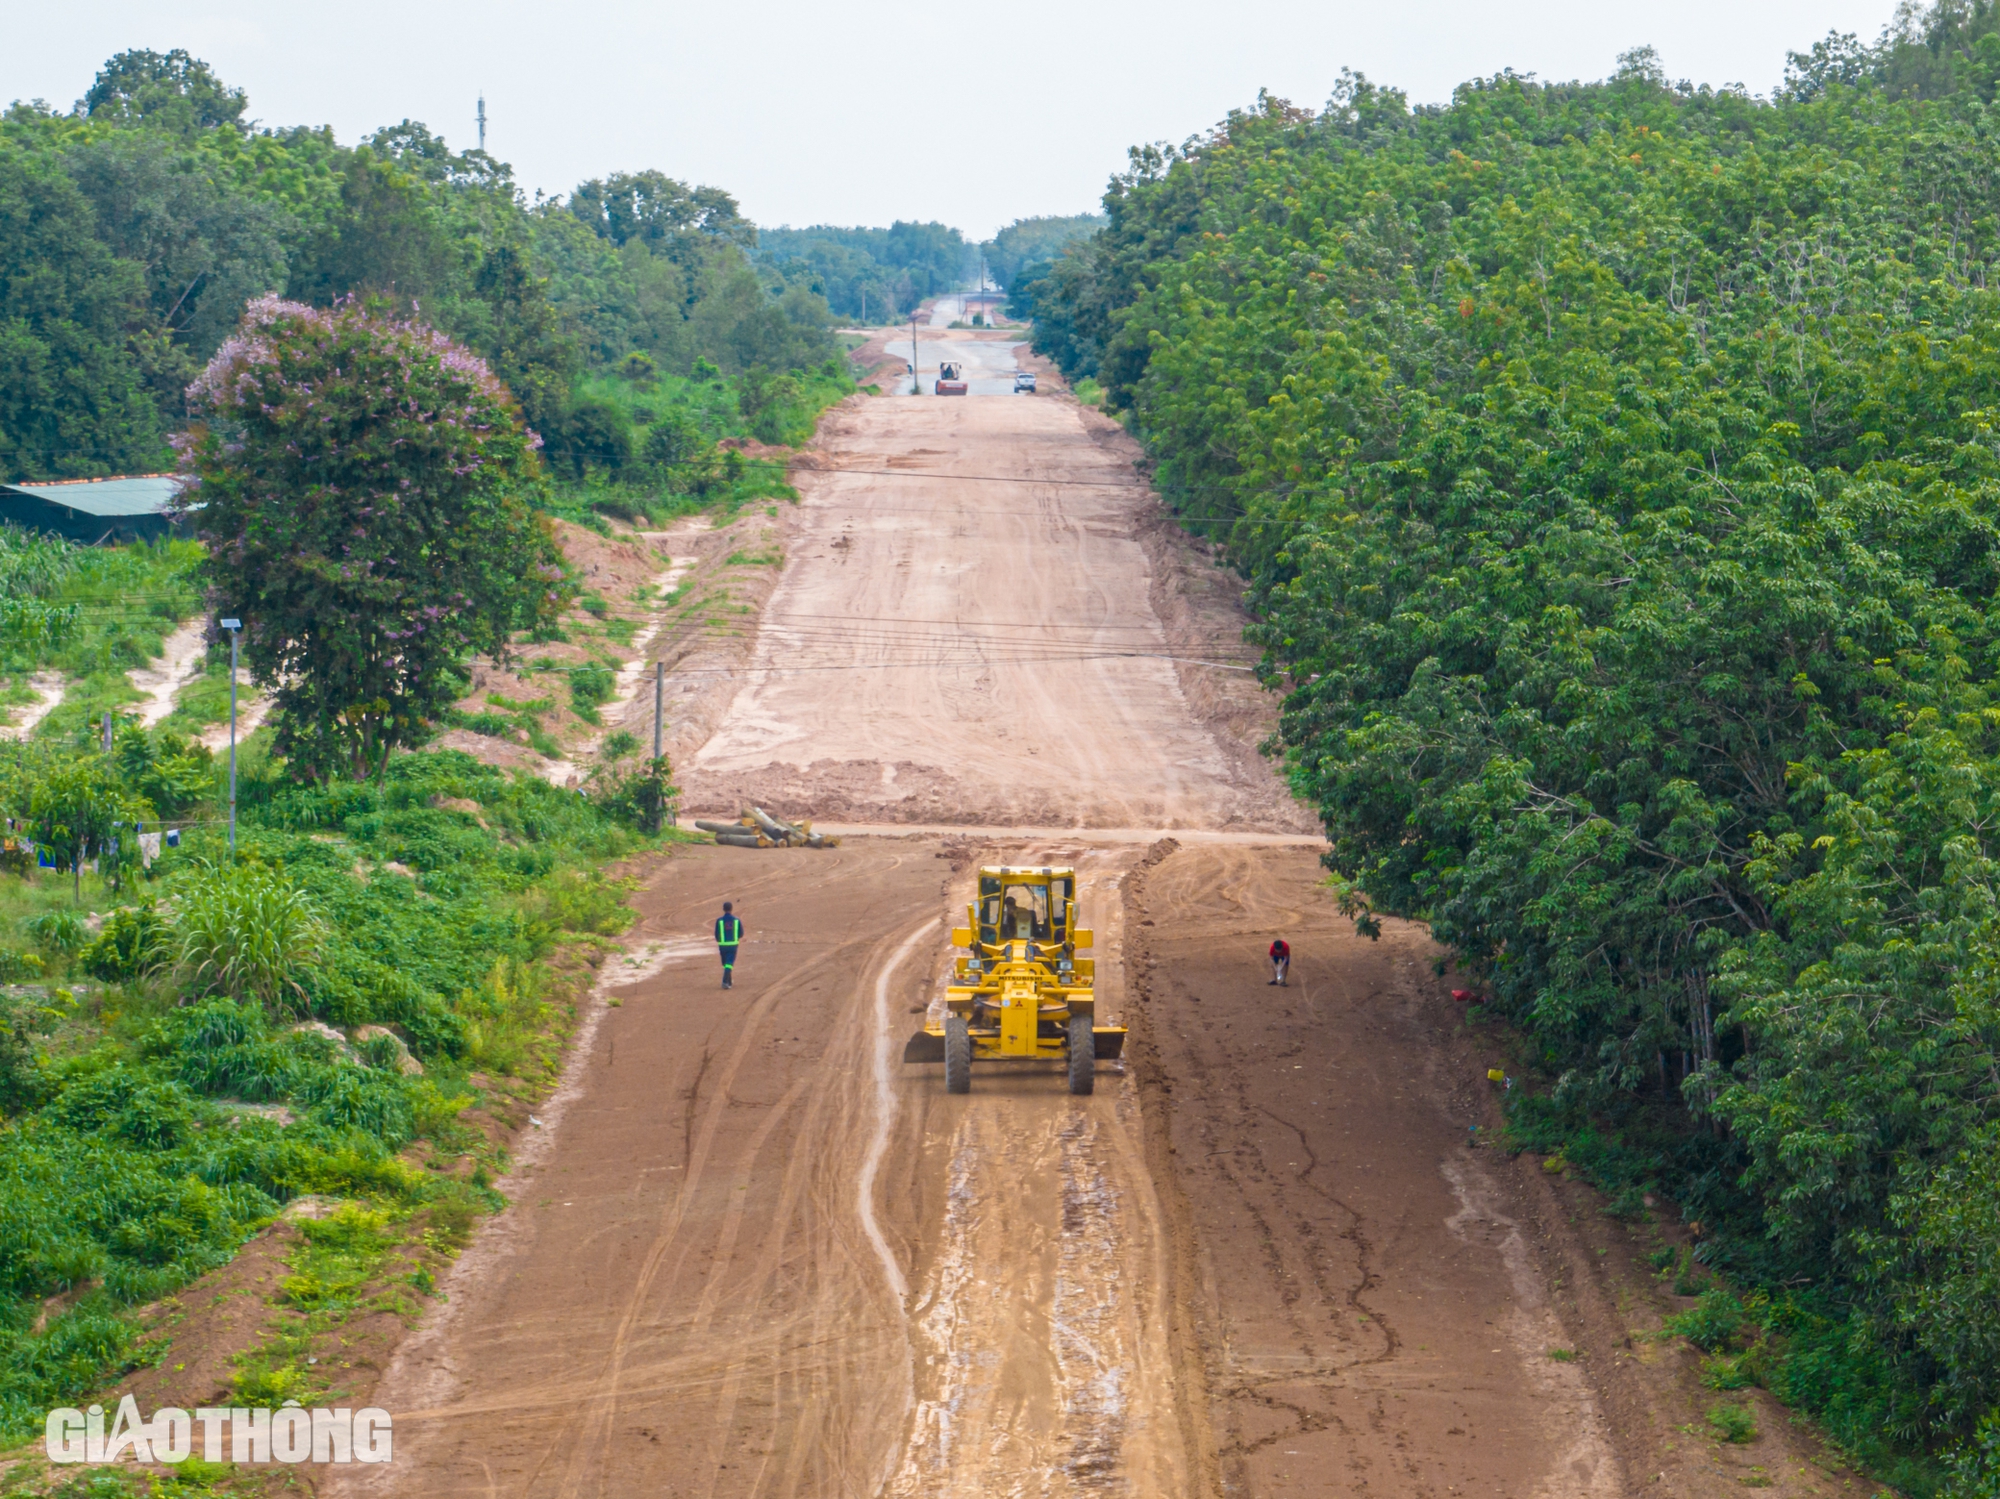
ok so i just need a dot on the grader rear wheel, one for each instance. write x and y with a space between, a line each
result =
957 1054
1082 1055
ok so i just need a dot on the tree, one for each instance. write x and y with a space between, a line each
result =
387 236
76 807
72 399
206 247
512 324
1633 599
361 485
171 90
660 212
739 325
1027 247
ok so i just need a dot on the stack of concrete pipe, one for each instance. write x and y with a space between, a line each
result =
756 828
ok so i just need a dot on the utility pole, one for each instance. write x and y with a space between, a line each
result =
656 793
482 122
235 629
916 373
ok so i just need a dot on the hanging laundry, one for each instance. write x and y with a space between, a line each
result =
149 849
173 837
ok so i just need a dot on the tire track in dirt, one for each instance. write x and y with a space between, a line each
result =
1042 1365
709 1282
688 1335
1368 1319
602 1400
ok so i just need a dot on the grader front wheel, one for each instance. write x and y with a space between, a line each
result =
957 1054
1082 1055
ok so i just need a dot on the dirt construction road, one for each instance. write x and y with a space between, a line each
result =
965 632
757 1255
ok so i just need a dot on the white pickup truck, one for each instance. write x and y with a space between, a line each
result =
1024 380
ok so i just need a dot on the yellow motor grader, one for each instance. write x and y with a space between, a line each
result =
1020 992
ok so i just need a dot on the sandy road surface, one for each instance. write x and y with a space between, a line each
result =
964 633
686 1299
762 1257
1372 1320
987 365
765 1258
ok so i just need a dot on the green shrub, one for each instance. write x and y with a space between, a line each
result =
571 901
60 932
132 943
492 725
1733 1423
590 684
674 442
131 1165
1712 1324
1728 1373
170 771
641 798
1972 1468
19 967
21 1080
246 932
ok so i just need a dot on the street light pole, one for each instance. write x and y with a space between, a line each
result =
235 628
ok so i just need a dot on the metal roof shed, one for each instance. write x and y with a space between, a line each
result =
93 510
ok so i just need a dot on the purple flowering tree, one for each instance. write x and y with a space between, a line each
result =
362 486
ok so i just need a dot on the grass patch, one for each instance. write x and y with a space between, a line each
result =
1732 1423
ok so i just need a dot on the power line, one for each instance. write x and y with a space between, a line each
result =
1009 624
1134 483
910 665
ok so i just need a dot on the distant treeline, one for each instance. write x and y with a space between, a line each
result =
1615 468
875 273
1022 253
134 228
882 274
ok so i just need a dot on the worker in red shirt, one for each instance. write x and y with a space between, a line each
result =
1281 961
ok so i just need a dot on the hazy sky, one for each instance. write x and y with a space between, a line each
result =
884 109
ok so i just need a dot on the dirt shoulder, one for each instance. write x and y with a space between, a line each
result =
1377 1299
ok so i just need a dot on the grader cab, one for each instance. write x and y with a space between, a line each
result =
1020 993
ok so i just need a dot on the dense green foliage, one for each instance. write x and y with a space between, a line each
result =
1615 466
361 496
158 1118
1022 253
881 274
133 233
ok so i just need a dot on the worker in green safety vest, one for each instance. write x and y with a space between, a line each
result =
728 933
